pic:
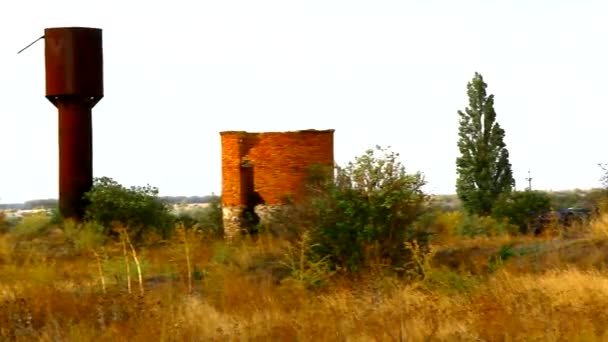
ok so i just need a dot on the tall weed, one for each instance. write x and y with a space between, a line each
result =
84 237
31 226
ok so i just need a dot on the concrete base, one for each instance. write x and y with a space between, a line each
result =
267 213
233 221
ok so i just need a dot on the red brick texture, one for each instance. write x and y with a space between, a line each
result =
272 164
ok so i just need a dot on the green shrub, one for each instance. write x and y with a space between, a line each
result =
522 207
297 260
366 213
209 219
56 217
138 208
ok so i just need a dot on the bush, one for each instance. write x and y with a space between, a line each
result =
521 208
138 208
366 213
208 220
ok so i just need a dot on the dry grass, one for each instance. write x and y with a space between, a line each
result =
550 289
599 227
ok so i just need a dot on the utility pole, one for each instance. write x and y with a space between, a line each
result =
529 179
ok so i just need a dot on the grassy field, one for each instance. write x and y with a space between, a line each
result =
62 285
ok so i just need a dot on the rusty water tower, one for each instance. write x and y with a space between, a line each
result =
74 84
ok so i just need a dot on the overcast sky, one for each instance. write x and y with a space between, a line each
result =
392 73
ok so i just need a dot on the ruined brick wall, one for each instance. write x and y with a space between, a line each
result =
267 168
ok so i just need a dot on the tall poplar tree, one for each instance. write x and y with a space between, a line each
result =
484 170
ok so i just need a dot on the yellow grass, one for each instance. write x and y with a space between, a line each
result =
241 292
599 227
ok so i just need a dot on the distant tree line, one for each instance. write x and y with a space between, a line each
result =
576 198
49 203
52 203
189 199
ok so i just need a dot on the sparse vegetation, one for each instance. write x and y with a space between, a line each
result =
197 288
207 220
370 253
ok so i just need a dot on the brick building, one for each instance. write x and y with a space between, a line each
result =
262 171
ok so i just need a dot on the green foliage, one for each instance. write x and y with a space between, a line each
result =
138 208
207 221
484 170
310 274
522 207
367 212
210 219
56 217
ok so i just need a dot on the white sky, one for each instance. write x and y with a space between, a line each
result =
379 72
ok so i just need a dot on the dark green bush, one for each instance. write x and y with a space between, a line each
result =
521 208
366 213
137 208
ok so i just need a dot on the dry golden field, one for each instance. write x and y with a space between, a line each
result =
62 285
